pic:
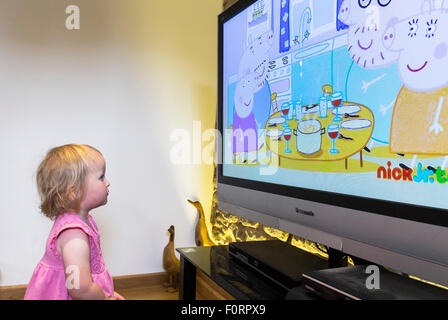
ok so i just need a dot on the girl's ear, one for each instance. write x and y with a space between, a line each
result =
72 193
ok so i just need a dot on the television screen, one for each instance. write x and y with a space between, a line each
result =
346 100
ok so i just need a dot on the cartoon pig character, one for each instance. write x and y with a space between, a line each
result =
244 128
255 61
422 42
373 64
368 19
256 57
420 118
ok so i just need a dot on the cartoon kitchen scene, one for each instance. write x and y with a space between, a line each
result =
339 86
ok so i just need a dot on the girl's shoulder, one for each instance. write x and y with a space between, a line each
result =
67 220
70 220
64 222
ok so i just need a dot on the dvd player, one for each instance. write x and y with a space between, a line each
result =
349 283
276 260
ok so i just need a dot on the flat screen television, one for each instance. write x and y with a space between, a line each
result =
334 123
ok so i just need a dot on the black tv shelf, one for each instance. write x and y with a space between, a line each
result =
245 281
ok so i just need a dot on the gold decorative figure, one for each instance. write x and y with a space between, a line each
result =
171 264
201 235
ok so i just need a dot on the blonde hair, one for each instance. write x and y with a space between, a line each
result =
61 178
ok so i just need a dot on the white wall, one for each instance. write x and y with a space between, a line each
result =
136 71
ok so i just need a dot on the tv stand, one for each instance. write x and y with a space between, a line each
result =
216 263
333 283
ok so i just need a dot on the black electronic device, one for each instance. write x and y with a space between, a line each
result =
276 260
355 283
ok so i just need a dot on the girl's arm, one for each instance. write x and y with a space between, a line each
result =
73 246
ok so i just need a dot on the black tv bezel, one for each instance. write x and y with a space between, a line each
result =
432 216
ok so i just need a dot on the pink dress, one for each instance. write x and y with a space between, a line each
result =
48 280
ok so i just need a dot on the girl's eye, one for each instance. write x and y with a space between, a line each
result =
413 28
384 3
431 28
364 3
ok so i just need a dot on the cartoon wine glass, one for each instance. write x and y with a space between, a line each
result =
336 101
285 111
333 134
287 133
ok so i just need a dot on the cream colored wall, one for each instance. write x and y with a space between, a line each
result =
134 73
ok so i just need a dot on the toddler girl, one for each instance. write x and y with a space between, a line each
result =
71 181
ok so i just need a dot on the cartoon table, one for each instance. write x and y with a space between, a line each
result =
355 131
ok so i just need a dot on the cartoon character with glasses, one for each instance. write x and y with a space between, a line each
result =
368 20
373 65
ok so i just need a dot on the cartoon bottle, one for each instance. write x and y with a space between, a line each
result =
324 100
